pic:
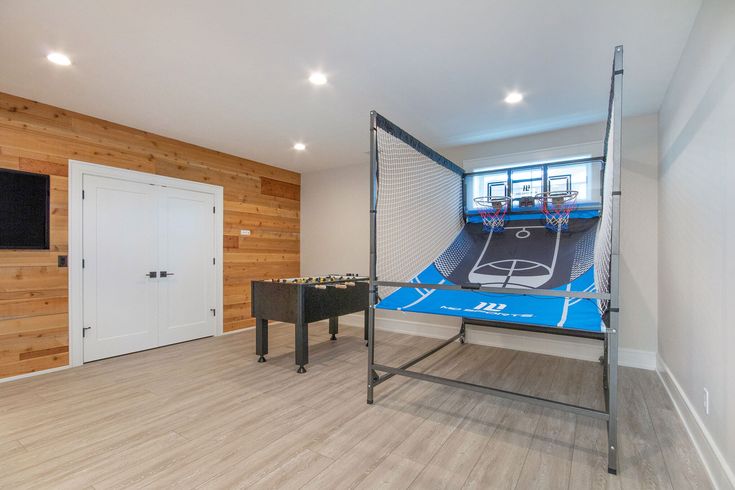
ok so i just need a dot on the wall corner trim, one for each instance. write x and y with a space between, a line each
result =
717 467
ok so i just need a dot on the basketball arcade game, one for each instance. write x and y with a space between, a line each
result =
553 271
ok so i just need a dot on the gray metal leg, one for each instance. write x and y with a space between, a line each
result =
372 375
615 121
302 346
366 320
334 327
612 399
604 362
261 338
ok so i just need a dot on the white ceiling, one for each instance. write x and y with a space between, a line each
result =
231 74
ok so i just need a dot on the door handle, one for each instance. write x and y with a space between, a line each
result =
152 274
166 273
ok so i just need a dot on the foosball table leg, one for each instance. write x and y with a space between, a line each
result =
367 312
261 338
302 346
333 327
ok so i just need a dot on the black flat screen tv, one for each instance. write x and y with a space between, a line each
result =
24 210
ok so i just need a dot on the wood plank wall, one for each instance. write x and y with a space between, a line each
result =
36 137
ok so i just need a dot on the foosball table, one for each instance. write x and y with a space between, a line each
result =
304 300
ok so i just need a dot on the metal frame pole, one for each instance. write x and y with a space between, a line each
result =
371 374
415 360
498 290
613 330
510 395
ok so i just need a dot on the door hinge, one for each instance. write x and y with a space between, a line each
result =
214 210
82 263
84 331
214 312
213 261
82 193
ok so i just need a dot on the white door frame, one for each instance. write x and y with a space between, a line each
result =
77 171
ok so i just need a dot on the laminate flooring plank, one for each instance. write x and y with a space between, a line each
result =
679 453
501 461
452 463
640 457
206 414
589 459
548 462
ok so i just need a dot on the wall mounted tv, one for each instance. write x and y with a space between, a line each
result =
24 210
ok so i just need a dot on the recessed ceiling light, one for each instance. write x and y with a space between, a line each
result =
59 59
318 78
299 147
513 97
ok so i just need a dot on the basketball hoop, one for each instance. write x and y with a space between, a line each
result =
492 210
557 205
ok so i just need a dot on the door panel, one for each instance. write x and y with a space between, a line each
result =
120 247
186 251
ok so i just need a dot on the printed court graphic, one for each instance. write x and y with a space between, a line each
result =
525 256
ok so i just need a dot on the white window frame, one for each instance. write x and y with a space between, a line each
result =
77 171
532 158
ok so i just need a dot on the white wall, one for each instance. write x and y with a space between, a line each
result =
696 237
334 221
335 236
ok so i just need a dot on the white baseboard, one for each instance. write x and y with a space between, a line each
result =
237 330
554 345
34 373
641 359
717 467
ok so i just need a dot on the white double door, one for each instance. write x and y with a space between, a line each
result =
149 275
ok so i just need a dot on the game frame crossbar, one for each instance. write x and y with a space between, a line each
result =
610 318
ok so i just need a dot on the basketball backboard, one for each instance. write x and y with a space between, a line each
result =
521 184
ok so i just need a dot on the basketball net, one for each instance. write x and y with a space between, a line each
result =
492 210
556 206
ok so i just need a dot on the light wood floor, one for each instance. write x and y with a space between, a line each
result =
205 414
